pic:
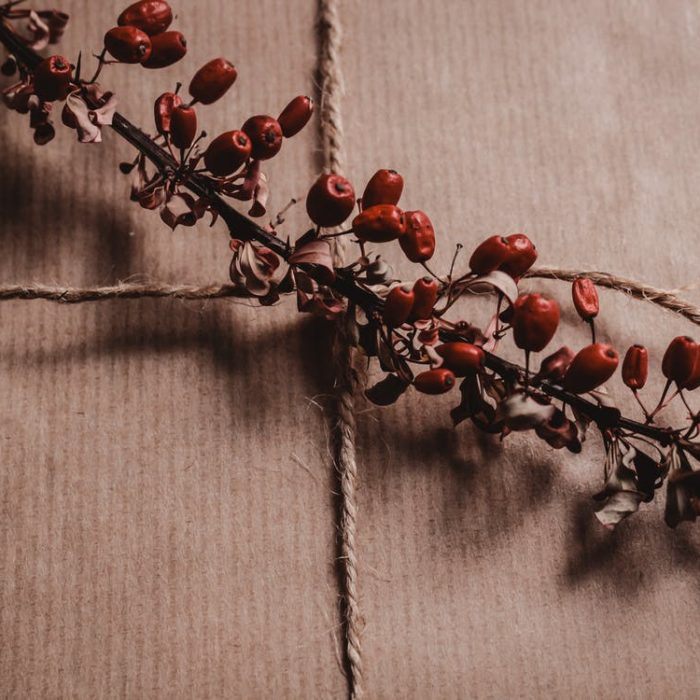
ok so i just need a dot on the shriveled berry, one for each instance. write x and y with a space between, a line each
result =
679 359
384 187
128 44
554 366
227 153
380 223
163 110
150 16
592 366
330 200
489 255
295 116
52 79
535 320
183 126
426 291
434 381
462 359
635 367
212 81
265 134
418 243
398 306
585 298
520 255
166 48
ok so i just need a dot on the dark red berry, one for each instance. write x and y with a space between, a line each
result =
330 200
295 116
265 134
150 16
679 360
183 126
520 255
592 366
128 44
398 306
227 153
52 79
489 255
212 80
163 110
380 223
554 366
635 367
535 320
434 381
462 358
693 382
9 67
585 298
418 243
384 187
166 48
426 291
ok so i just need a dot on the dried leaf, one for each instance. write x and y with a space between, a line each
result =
386 391
39 31
496 280
178 211
255 268
559 432
520 411
682 488
315 258
261 193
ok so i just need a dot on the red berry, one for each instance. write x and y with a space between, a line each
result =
128 44
227 152
520 255
398 306
434 381
379 224
693 382
462 358
635 367
585 298
166 48
592 366
295 116
426 291
330 200
554 366
679 359
535 320
418 243
150 16
212 80
265 134
183 126
52 79
489 255
163 110
384 187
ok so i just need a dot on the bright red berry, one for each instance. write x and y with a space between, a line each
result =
398 306
635 367
535 320
679 360
520 255
166 48
592 366
227 153
212 81
489 255
380 223
52 79
150 16
426 291
183 126
330 200
585 298
462 359
384 187
163 110
295 116
434 381
265 134
418 243
128 44
554 366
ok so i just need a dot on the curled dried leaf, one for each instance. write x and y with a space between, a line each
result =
315 258
519 411
682 488
255 268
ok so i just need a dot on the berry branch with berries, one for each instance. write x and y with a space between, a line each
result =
409 330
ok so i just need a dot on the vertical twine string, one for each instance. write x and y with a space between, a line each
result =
331 86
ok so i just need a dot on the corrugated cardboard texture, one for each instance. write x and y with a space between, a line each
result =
167 516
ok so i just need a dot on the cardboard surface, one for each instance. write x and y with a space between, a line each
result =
167 515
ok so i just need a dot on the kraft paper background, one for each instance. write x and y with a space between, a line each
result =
167 509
